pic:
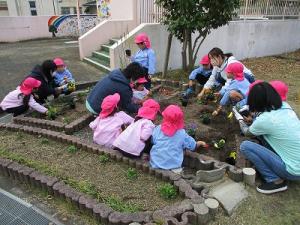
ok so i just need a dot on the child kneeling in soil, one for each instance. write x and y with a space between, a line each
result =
170 140
21 99
63 77
237 88
137 136
108 125
140 93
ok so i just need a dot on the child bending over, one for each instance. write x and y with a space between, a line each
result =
170 140
136 138
108 125
140 93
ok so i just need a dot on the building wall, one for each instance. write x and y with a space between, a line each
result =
22 8
245 39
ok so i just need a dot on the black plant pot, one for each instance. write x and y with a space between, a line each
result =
206 121
184 102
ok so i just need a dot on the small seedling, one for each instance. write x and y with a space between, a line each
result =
167 191
220 144
72 149
71 86
206 118
44 141
231 159
131 174
103 158
191 129
66 120
52 113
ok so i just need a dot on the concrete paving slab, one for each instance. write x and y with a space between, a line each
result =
230 194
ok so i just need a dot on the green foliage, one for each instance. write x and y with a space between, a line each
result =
205 118
66 120
131 174
104 159
44 141
167 191
118 205
52 112
185 17
72 149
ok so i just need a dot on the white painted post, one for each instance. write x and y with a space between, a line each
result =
284 10
267 6
245 12
78 18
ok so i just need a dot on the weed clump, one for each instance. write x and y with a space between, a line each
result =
167 191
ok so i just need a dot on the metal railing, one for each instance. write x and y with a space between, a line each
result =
149 12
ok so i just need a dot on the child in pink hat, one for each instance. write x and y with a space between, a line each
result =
237 88
170 140
63 77
200 75
21 99
145 56
281 88
108 125
140 93
139 132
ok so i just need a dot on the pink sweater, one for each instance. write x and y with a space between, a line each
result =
108 129
12 100
132 140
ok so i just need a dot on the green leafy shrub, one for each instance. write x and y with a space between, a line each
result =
167 191
44 141
52 113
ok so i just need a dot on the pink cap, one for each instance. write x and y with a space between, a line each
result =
28 84
172 120
108 105
58 62
252 85
237 69
205 60
149 109
143 38
281 88
141 80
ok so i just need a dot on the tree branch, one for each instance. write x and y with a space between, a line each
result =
195 53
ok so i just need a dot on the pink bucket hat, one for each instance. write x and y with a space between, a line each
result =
141 80
28 84
252 85
172 120
205 60
149 109
237 69
143 38
59 62
281 88
108 105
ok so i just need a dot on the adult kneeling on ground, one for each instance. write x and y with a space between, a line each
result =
117 81
279 126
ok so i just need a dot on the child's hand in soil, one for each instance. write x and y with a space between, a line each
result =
215 113
217 94
201 144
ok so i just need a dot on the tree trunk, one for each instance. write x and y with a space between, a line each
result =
170 36
190 51
183 51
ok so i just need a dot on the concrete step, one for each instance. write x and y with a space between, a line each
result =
105 48
104 56
112 41
96 62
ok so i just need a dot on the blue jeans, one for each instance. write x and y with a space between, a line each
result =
268 163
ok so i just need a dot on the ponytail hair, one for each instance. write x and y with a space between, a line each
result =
215 52
26 98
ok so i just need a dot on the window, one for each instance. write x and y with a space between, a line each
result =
32 6
65 10
3 5
75 10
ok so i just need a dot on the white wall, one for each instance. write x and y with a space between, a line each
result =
244 39
21 7
23 28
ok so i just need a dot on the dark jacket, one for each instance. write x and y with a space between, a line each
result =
46 89
114 82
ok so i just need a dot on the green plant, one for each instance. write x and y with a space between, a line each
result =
52 112
72 149
118 205
219 144
44 141
167 191
205 118
66 120
131 174
104 159
191 129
